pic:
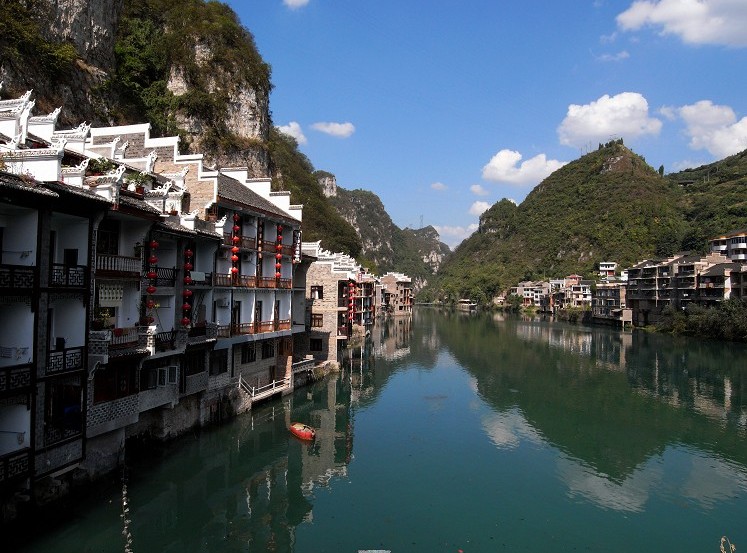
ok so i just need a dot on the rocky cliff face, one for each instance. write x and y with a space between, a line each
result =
88 90
89 25
417 253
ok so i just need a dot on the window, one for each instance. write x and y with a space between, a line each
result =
317 292
316 344
194 363
107 242
218 361
248 353
268 349
317 320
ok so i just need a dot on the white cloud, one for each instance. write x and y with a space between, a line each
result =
503 168
340 130
686 164
439 186
668 112
478 208
694 21
624 115
295 4
293 129
608 39
452 236
623 55
714 128
478 190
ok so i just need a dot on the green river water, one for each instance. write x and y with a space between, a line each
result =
456 433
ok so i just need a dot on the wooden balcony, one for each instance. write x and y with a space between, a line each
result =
245 242
18 277
68 276
65 360
118 266
15 466
229 280
266 282
15 378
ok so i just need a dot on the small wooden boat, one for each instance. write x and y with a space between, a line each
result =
302 431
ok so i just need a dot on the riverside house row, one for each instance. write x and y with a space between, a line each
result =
639 294
144 293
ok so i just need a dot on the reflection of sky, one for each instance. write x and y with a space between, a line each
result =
691 475
508 429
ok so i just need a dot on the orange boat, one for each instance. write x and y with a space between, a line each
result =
302 431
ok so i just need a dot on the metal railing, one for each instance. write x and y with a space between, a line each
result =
261 392
124 336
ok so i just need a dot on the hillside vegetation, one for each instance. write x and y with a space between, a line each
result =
386 247
608 205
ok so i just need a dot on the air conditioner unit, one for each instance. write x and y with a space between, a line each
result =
246 256
222 303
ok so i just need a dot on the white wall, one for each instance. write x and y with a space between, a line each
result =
19 238
17 324
15 419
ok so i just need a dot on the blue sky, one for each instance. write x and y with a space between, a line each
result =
444 107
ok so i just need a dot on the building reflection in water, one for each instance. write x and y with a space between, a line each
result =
679 376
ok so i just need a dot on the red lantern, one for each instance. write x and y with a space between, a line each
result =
236 228
152 274
185 321
280 229
150 304
277 275
277 266
188 253
234 270
152 260
186 307
278 256
151 289
234 258
187 279
153 245
235 249
278 248
188 266
235 216
187 293
235 239
280 238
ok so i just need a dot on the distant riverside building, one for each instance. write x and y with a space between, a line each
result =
340 297
679 281
733 245
397 293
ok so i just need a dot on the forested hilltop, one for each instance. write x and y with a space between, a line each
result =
608 205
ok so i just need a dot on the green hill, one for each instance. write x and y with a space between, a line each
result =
608 205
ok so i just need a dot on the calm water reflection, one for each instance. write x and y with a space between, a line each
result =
454 432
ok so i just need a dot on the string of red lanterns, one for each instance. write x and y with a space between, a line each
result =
279 254
152 276
351 302
187 293
235 239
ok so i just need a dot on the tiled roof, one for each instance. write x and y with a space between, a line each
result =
720 269
138 204
63 188
9 181
233 190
